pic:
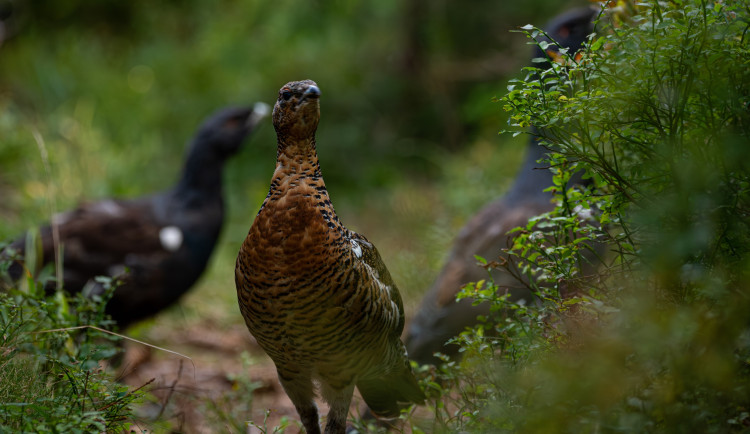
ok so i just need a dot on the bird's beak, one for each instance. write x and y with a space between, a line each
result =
260 111
311 92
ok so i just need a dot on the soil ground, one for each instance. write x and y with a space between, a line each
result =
225 374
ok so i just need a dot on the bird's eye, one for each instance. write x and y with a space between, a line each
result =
231 123
286 94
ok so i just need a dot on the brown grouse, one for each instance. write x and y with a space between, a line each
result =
315 295
159 244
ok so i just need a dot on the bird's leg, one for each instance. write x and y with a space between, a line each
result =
338 401
299 388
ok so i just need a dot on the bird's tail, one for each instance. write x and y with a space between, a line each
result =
386 396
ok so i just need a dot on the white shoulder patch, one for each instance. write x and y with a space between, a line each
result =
109 207
356 249
171 238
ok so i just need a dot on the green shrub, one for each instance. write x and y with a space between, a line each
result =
52 374
641 276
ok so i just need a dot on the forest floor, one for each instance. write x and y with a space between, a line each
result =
226 381
220 380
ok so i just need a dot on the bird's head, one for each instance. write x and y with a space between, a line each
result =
226 129
297 110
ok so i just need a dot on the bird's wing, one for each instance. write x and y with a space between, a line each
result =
366 252
396 387
102 238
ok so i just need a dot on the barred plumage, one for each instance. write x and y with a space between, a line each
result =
315 295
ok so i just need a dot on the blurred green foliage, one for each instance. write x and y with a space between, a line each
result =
117 88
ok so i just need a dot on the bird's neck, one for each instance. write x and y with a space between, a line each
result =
298 194
533 177
201 181
298 161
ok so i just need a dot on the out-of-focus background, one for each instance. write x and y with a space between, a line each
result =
408 138
98 99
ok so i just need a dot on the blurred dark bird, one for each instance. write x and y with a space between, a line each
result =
159 244
569 30
439 317
315 295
